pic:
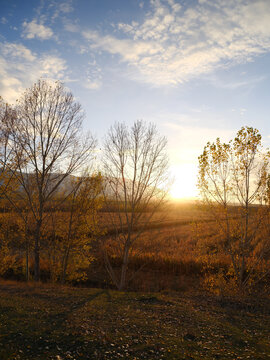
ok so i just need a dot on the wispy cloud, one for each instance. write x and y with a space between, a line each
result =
33 30
3 20
93 76
20 67
19 51
60 9
48 13
175 43
247 83
131 51
70 27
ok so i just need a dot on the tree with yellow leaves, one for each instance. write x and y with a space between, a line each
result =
233 184
72 230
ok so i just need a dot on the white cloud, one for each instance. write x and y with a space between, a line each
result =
128 49
175 43
92 85
59 9
17 51
66 7
19 68
248 83
93 76
71 27
33 30
3 20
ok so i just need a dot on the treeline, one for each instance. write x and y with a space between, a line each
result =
51 195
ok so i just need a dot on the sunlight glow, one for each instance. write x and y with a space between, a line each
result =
185 179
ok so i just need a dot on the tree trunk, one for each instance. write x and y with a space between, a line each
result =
36 251
64 267
27 262
122 283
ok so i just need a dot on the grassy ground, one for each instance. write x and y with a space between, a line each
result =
46 322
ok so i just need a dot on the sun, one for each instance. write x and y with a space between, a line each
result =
185 179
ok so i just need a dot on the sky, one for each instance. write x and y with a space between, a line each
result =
198 69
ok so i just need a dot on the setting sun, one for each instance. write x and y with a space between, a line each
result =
184 185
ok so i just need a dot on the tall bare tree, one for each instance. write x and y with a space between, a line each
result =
7 117
136 174
47 146
8 167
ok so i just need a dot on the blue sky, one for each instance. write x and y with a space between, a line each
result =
198 69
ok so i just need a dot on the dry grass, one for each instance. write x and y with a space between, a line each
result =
176 252
60 323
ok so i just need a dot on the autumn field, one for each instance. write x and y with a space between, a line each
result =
178 250
168 247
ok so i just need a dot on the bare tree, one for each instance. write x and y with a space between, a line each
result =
136 175
6 183
233 184
7 116
8 168
47 146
